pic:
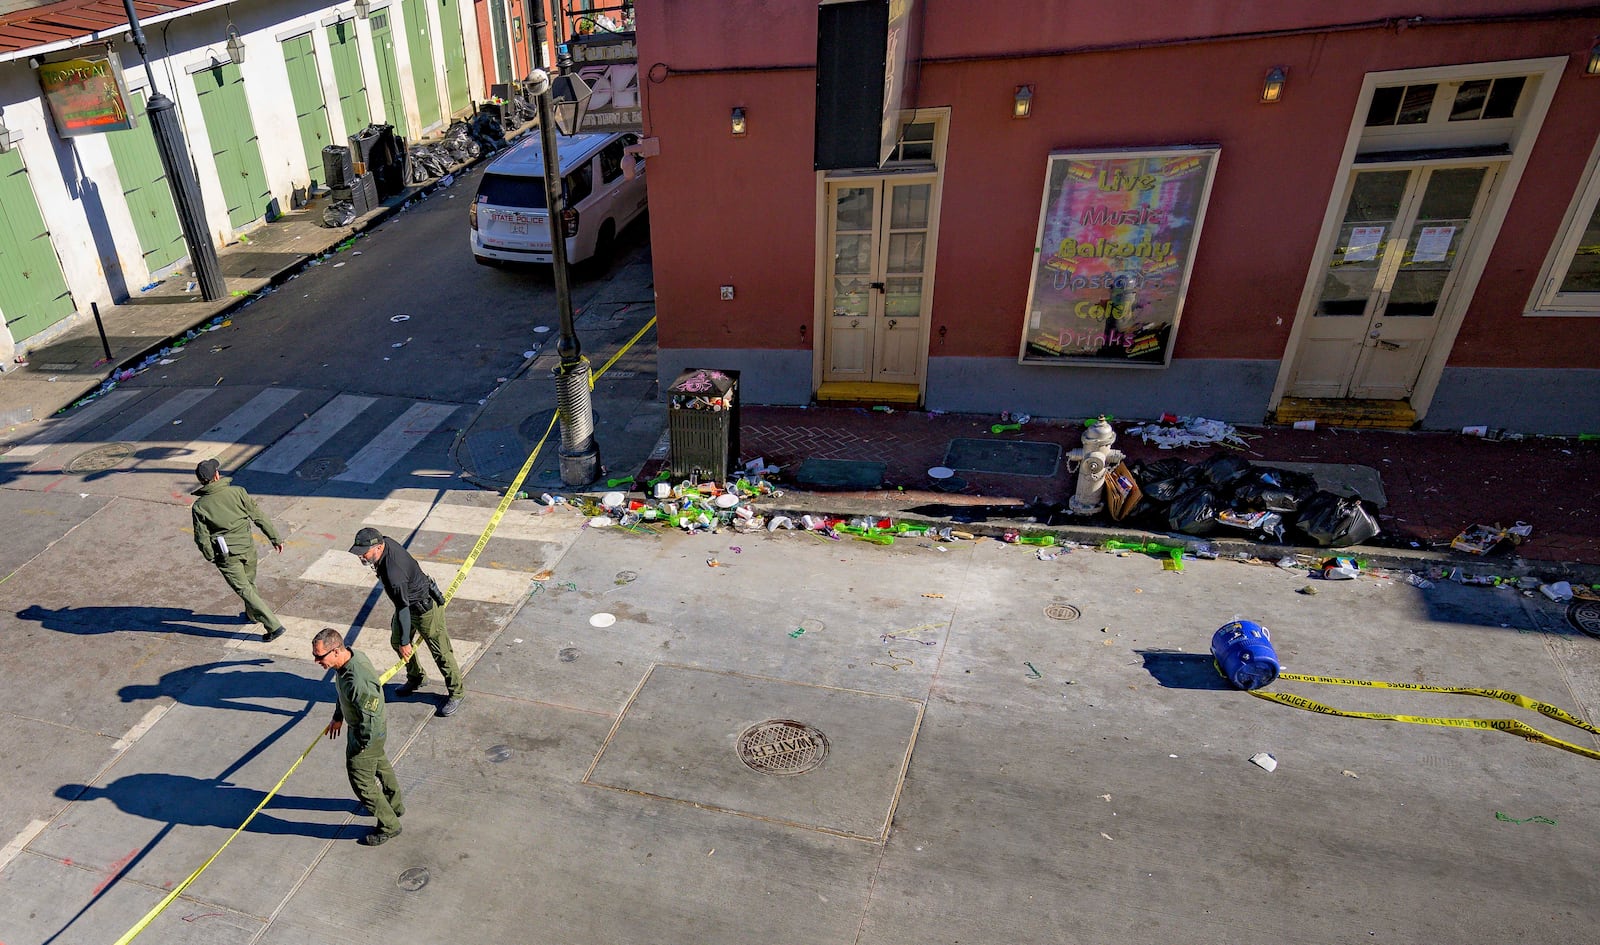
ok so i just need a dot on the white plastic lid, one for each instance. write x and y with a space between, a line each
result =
611 500
602 620
727 500
941 472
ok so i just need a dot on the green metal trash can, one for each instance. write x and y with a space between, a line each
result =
703 424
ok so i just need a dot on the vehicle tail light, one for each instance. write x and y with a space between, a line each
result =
472 215
569 223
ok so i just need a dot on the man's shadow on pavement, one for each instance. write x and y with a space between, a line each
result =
93 620
226 685
174 799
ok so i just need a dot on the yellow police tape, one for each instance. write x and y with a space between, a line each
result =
461 575
1500 725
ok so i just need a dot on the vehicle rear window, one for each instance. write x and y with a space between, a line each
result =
508 190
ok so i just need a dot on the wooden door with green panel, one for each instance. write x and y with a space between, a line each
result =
234 146
33 290
455 56
347 77
394 108
146 192
419 39
311 112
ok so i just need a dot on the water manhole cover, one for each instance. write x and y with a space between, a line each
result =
497 753
1060 611
782 746
567 654
1584 615
413 879
627 577
101 458
316 470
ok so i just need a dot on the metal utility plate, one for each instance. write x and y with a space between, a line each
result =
677 739
1011 457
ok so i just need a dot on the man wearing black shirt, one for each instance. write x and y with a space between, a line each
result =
418 610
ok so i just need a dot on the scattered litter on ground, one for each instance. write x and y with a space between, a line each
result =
1183 432
1535 819
602 620
1350 774
1264 761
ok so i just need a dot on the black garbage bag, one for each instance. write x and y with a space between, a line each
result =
1222 470
339 213
1334 521
1273 490
1162 479
487 129
1194 511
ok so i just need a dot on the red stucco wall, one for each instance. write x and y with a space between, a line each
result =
742 211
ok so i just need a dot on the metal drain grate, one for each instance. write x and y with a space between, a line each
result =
316 470
413 879
782 747
1584 615
100 459
1060 611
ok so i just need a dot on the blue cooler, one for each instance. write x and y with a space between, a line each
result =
1244 654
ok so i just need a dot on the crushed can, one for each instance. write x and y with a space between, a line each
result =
1244 654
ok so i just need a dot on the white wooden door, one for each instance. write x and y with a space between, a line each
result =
878 238
1389 278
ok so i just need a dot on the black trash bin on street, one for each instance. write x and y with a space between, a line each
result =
703 424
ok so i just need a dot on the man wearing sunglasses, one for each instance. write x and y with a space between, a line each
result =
371 776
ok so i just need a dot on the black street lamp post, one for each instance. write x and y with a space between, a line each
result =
562 102
180 177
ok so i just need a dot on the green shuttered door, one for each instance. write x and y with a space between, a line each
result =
33 291
305 88
455 55
419 37
146 191
347 76
233 143
388 75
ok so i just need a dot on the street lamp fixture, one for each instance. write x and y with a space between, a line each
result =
570 99
235 46
5 138
363 9
580 454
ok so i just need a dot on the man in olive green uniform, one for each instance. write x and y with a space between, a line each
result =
222 515
371 776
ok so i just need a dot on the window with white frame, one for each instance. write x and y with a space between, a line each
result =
1570 283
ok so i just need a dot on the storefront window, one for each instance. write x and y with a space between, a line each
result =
1571 281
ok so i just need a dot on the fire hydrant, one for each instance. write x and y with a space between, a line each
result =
1093 459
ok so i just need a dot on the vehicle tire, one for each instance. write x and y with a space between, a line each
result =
604 246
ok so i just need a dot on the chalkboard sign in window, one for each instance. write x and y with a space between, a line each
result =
1117 237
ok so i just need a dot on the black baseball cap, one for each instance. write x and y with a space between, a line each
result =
206 470
365 539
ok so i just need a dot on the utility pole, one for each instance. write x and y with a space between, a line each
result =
180 176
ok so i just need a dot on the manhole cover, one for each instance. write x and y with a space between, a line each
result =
316 470
101 458
497 753
1584 615
567 654
782 746
627 577
1060 611
413 879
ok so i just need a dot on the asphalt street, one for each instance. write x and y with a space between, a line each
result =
981 762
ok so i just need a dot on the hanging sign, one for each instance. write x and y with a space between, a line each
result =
609 63
1116 242
87 95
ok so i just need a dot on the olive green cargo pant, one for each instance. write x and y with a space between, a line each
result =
373 780
239 570
429 628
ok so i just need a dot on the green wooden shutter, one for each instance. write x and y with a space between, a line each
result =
146 191
455 56
33 290
233 143
347 76
305 88
394 109
419 37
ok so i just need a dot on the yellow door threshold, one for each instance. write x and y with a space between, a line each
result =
1343 412
864 392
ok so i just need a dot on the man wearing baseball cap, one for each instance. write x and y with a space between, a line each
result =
418 610
222 515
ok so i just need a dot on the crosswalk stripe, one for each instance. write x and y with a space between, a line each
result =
489 585
397 439
407 515
62 430
373 641
235 425
149 423
287 454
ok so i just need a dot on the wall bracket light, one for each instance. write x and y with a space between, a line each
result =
235 45
363 9
736 123
1022 102
1272 88
5 138
1592 67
